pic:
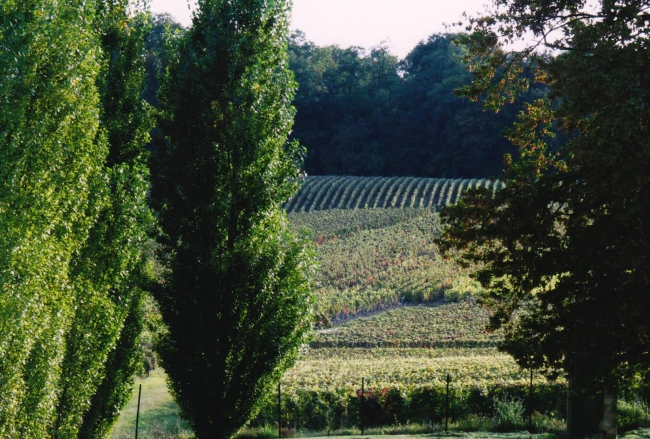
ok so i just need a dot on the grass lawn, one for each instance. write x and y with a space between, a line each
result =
159 416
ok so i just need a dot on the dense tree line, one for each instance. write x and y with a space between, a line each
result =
367 113
74 218
364 112
77 225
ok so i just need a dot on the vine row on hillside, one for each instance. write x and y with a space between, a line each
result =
345 192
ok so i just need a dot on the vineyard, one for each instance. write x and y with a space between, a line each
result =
345 192
374 259
393 312
449 325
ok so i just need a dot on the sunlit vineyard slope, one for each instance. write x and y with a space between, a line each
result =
393 312
341 192
373 259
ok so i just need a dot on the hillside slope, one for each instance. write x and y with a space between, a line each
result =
372 259
345 192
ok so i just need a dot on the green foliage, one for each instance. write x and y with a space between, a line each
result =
236 293
160 40
108 271
51 156
112 395
562 242
463 288
331 224
442 326
361 112
403 368
631 414
73 208
373 259
508 413
314 410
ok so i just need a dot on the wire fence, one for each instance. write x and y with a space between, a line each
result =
531 406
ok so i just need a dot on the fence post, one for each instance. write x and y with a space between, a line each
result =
447 404
363 399
279 410
137 414
530 402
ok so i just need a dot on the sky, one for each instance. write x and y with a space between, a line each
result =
400 24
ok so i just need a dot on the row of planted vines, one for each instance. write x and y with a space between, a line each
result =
374 259
394 313
407 384
340 410
345 192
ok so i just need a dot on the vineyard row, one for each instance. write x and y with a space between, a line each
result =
345 192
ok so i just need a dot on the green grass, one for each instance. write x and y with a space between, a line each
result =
159 413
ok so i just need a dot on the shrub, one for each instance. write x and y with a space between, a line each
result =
474 422
548 423
631 414
508 413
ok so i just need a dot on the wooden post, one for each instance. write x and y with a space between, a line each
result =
363 399
569 406
530 403
137 414
447 404
279 411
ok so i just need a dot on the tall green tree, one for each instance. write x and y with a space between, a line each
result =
72 196
438 133
562 243
50 164
108 272
236 293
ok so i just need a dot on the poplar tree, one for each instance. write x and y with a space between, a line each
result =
107 273
73 216
236 294
50 163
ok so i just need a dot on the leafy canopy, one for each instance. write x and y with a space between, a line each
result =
72 209
563 244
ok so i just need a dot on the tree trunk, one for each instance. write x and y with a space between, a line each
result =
609 414
592 416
